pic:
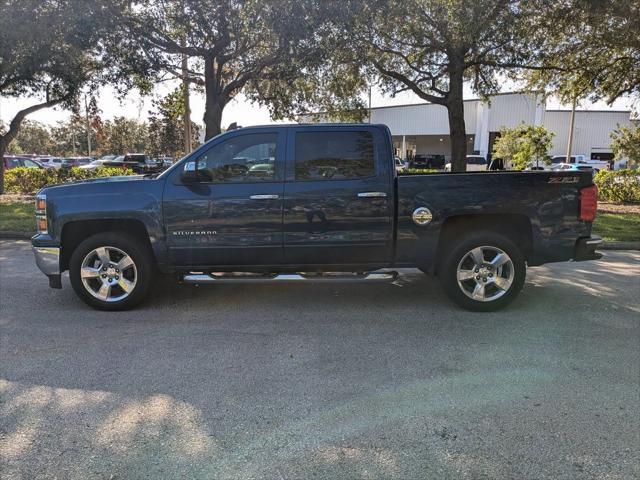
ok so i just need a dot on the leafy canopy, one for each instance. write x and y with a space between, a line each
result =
272 50
166 127
588 48
626 145
523 146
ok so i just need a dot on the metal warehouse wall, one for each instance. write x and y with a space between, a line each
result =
511 110
426 119
592 129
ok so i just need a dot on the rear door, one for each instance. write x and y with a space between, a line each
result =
338 205
233 215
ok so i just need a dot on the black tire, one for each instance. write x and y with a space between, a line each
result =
460 252
144 270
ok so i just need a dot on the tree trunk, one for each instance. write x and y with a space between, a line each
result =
212 117
214 100
457 129
3 148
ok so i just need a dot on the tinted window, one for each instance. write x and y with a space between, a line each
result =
12 162
476 160
245 158
30 164
334 155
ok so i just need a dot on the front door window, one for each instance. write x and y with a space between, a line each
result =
245 159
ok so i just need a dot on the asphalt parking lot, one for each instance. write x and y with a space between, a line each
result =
323 381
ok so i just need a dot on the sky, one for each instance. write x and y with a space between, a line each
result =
240 110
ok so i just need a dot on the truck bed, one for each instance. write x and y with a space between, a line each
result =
546 202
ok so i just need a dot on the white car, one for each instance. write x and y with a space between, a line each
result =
475 163
50 162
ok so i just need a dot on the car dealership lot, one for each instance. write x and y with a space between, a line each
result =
323 381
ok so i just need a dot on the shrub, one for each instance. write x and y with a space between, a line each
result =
30 180
419 171
622 186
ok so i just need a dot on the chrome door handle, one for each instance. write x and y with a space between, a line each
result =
264 197
372 194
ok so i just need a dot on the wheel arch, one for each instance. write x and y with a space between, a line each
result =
516 227
74 232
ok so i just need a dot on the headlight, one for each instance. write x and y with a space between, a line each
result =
41 214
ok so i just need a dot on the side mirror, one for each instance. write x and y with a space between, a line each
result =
189 173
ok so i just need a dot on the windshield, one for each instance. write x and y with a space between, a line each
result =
476 160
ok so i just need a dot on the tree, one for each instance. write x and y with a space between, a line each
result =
50 50
125 135
523 146
626 145
166 131
33 137
589 48
233 46
432 47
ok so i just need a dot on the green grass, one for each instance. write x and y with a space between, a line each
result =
17 217
618 227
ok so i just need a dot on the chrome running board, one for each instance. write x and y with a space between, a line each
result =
219 277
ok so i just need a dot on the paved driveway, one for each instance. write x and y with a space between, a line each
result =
324 381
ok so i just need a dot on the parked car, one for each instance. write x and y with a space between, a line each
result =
573 167
13 161
97 163
166 161
50 162
427 161
401 166
475 163
580 159
332 203
138 162
71 162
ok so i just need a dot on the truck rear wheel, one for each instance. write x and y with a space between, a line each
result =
483 272
111 271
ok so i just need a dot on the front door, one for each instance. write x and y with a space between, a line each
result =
232 214
338 196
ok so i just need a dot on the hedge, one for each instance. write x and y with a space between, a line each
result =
620 186
29 180
419 171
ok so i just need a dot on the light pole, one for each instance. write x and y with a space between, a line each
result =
88 125
571 124
187 108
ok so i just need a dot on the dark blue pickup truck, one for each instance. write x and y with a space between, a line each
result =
310 203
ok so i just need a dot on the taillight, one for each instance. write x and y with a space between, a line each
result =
588 203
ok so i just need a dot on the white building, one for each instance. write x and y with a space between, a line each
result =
423 129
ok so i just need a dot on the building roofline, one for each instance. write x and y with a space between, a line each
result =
583 110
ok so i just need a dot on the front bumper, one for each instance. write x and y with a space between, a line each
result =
48 261
585 248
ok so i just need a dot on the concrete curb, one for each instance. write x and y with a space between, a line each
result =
619 246
16 235
604 246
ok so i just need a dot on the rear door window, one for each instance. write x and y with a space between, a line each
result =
334 155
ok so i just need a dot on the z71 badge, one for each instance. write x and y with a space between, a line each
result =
564 180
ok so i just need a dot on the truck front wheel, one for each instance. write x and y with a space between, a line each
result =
483 271
111 271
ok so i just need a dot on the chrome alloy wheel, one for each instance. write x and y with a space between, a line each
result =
485 273
108 274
